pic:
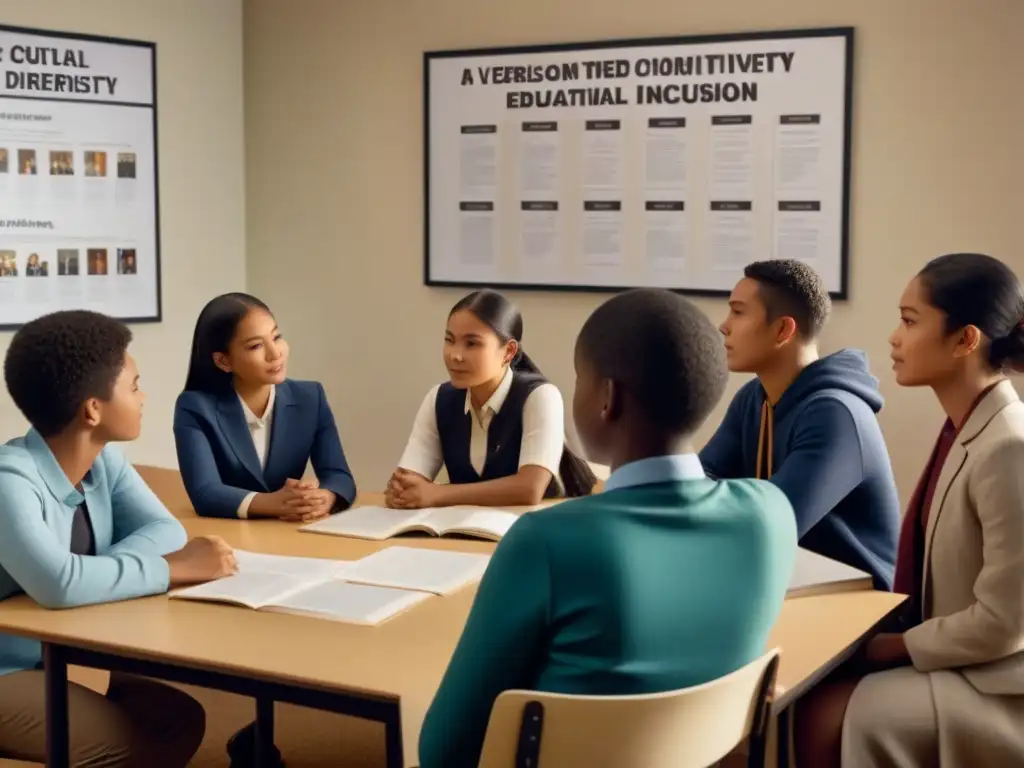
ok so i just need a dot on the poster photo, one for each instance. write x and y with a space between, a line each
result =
79 223
670 162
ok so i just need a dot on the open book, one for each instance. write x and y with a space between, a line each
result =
814 574
380 523
423 570
304 586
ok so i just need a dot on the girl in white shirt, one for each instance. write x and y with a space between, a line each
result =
497 425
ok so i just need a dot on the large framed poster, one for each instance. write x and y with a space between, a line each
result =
669 162
79 204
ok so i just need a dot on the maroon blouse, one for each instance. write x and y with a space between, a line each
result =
910 555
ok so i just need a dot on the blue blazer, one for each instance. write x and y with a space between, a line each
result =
218 460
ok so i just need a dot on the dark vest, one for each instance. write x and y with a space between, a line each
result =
504 436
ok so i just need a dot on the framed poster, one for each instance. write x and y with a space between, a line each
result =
669 162
79 199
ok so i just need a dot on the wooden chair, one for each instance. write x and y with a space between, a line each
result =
689 728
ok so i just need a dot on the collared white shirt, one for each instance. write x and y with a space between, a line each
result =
259 429
656 469
543 431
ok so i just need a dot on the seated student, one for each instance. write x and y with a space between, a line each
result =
497 426
81 527
949 690
245 433
665 580
806 423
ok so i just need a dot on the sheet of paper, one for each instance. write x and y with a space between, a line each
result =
478 244
798 230
812 569
376 523
602 233
539 240
666 234
732 157
666 164
798 144
302 567
602 158
250 589
732 235
353 603
424 570
478 162
540 160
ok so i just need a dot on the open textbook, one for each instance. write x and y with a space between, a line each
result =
425 570
814 574
380 523
367 591
305 586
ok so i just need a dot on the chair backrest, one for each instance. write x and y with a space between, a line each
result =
689 728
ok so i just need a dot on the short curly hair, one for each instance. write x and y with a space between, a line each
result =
661 348
58 361
790 288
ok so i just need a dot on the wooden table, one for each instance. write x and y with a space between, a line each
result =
388 673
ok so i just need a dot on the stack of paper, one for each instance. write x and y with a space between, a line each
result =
814 574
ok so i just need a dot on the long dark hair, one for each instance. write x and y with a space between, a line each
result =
974 289
215 328
503 317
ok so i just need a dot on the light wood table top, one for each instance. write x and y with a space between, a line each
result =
402 659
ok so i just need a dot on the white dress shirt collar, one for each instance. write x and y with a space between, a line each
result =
257 421
496 400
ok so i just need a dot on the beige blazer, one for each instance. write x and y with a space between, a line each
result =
973 593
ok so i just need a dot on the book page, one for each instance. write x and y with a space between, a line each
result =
470 520
424 570
249 589
352 603
305 567
491 521
376 523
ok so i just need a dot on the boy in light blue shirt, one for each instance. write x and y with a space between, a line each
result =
78 526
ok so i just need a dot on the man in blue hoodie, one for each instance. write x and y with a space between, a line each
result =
807 424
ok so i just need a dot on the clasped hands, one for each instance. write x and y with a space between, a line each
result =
299 502
409 490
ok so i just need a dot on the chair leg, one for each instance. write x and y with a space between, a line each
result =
762 717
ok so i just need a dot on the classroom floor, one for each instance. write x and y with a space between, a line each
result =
306 737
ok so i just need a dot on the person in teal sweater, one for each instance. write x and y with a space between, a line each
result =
80 526
667 579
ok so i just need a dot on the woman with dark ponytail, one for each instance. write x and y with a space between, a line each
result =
497 426
946 685
245 432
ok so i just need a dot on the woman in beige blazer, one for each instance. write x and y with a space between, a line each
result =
948 690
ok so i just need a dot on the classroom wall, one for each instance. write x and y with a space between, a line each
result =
202 188
334 187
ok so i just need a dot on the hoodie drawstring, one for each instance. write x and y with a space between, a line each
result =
765 436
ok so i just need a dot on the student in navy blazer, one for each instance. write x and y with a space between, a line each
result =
244 432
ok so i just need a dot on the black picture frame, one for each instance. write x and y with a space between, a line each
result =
845 32
151 47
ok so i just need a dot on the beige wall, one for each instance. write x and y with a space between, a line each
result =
334 191
202 194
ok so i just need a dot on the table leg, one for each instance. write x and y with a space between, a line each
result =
263 748
393 757
55 673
